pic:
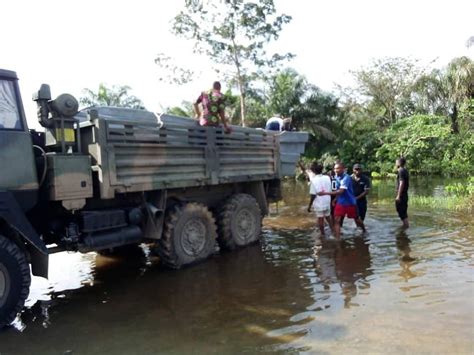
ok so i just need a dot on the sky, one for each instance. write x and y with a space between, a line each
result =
73 44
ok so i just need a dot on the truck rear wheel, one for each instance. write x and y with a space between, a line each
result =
240 222
15 280
189 235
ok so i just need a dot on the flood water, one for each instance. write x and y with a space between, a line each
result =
386 291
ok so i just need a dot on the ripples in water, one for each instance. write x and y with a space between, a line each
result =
387 290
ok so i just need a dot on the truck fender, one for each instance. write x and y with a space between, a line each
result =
14 217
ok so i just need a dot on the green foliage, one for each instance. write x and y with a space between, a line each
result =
459 189
117 96
185 110
396 109
286 91
456 203
386 87
421 139
290 95
360 143
458 196
429 146
378 176
234 34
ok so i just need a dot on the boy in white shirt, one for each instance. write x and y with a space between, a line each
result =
320 204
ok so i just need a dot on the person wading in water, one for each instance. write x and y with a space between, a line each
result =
346 203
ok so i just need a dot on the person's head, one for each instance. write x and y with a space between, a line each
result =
316 167
401 162
339 168
216 86
287 124
357 168
329 170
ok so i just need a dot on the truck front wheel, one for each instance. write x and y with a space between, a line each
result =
189 235
15 280
240 222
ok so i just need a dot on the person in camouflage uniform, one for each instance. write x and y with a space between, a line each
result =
213 105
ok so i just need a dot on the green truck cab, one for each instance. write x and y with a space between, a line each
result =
106 177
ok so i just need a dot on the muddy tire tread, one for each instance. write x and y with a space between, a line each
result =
224 222
165 249
24 272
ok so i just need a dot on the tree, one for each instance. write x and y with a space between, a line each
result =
459 82
185 110
290 94
234 33
111 96
387 85
286 92
425 140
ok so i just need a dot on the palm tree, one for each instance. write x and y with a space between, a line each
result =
459 82
311 109
114 96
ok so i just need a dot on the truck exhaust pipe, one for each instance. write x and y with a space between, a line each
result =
111 239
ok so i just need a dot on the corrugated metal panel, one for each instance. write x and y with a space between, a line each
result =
141 155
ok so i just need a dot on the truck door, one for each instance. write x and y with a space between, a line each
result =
17 164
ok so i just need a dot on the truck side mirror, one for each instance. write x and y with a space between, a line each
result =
42 98
44 93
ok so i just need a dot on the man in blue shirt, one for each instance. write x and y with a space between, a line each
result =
346 204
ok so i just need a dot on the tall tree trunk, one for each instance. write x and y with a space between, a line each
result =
242 102
240 82
454 119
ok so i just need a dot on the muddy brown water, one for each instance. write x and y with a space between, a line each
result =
387 291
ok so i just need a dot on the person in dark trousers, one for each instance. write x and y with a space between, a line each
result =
403 183
332 175
361 185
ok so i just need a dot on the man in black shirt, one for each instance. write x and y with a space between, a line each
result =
361 186
401 200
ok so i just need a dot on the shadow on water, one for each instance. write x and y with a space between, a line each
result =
389 290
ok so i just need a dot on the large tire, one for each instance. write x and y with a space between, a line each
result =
189 235
239 223
15 280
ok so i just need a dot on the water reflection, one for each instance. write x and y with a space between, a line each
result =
406 261
346 262
237 296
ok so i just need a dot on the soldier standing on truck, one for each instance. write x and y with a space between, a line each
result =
213 105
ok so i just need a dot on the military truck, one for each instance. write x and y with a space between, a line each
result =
105 178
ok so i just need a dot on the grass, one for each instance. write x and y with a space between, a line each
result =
452 202
456 197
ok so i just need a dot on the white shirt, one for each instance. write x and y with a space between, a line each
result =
320 183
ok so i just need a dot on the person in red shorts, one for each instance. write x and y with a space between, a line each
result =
346 204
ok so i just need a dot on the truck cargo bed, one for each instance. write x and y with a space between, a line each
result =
132 151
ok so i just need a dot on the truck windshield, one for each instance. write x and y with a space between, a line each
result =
9 113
